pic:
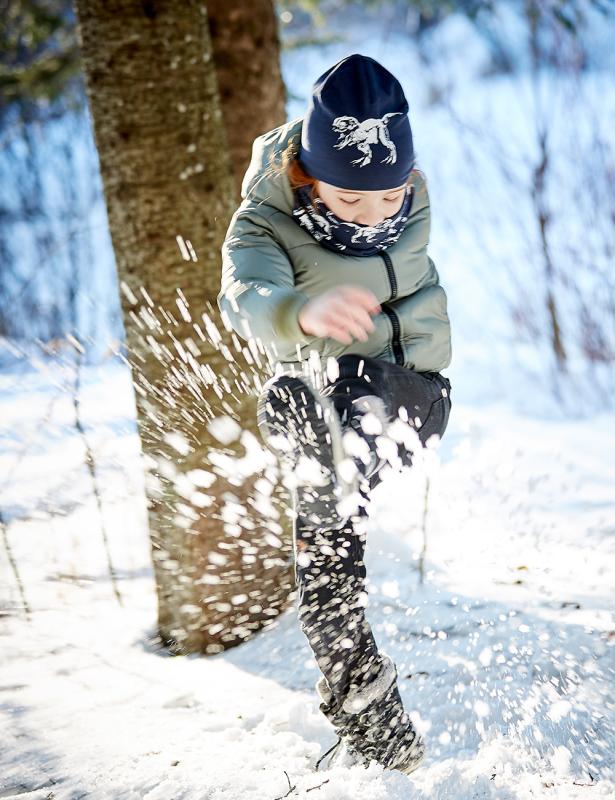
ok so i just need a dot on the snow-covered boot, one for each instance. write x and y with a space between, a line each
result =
303 429
371 723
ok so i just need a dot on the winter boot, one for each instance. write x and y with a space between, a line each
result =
303 429
371 724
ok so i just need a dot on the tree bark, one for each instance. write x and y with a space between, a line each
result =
246 49
168 181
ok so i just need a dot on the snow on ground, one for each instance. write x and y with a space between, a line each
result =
505 653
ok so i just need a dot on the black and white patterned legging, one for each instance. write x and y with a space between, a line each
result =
329 567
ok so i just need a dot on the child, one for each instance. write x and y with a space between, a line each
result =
328 253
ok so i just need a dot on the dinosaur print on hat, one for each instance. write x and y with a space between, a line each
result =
363 135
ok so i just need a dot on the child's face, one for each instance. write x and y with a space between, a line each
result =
363 208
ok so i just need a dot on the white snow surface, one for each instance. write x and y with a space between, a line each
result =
505 653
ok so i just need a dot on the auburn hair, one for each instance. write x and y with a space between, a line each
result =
297 176
295 173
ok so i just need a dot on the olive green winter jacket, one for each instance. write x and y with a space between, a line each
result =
271 267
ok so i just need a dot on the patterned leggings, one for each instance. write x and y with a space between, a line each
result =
329 567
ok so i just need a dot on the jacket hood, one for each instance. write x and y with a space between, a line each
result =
265 180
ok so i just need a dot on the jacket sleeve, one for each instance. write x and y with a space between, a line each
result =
427 344
427 332
257 295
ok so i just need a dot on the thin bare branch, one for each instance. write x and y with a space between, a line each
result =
12 561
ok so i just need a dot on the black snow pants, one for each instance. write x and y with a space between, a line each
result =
329 567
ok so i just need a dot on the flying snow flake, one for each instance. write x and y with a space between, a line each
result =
333 369
201 500
432 443
388 450
402 432
371 424
182 305
178 442
560 760
208 580
356 447
390 589
146 296
481 708
191 250
189 608
485 656
310 472
347 470
224 429
201 478
559 710
128 293
273 540
182 248
211 329
263 486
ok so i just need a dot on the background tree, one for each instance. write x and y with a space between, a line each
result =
167 177
246 48
39 54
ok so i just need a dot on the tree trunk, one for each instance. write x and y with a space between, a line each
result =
246 50
167 178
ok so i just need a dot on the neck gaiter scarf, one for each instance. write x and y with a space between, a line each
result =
347 237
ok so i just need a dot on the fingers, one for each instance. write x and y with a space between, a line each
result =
340 330
357 319
344 322
359 297
341 313
352 307
330 327
339 334
351 320
327 324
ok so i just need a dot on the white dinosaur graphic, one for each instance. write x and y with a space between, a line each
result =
364 135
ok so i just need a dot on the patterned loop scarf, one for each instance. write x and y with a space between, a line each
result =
354 240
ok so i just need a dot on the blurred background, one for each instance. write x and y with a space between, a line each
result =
139 514
511 105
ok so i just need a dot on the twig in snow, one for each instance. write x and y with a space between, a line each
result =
25 450
424 550
591 783
13 563
311 789
90 463
291 788
4 523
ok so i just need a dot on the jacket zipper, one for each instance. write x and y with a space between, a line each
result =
396 342
398 351
391 273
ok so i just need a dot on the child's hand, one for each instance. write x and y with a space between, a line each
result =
340 313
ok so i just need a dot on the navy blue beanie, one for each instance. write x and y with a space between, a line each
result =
356 132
